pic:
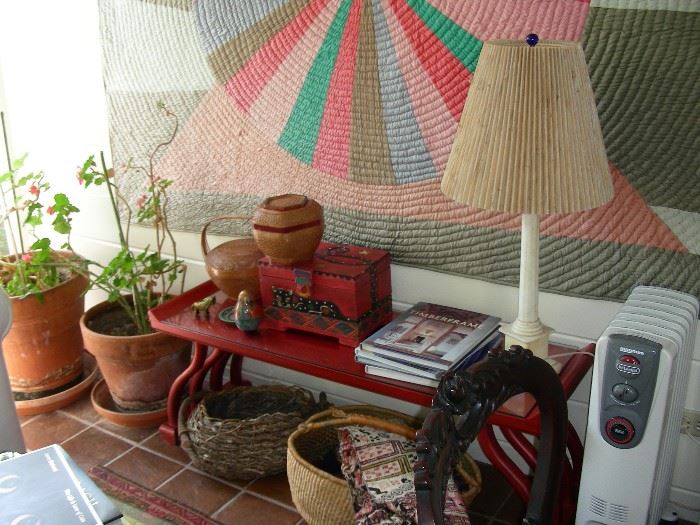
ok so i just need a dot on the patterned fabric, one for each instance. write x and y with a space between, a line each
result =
378 467
355 103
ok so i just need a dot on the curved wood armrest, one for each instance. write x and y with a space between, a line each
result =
463 402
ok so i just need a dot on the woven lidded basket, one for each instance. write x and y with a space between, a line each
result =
242 433
288 228
323 498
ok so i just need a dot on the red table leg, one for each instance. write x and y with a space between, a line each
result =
499 459
216 378
168 430
521 445
521 483
198 378
235 372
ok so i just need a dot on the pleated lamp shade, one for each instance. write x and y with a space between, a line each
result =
529 139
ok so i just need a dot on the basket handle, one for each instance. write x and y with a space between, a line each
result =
362 420
182 414
203 237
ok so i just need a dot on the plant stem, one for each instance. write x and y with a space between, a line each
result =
138 315
14 192
113 201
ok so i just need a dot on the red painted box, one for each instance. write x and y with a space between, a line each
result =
343 292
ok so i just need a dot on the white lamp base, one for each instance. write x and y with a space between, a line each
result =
533 336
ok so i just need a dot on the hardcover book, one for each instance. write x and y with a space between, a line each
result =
390 373
431 335
46 486
411 370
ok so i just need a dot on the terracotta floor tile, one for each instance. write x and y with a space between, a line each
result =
238 482
82 409
137 435
157 444
197 491
145 468
52 427
274 487
250 510
25 419
94 447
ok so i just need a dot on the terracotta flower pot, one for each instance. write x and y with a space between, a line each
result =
44 347
138 369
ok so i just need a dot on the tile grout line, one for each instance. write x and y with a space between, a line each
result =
193 468
31 418
227 503
119 456
167 480
271 500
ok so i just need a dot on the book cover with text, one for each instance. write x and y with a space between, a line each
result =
433 335
46 486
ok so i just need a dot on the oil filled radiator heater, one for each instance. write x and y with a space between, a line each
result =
640 379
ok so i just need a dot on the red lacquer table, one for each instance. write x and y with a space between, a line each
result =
215 342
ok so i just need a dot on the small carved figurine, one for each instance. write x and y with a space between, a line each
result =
203 306
247 314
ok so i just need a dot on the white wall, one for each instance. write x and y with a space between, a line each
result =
50 63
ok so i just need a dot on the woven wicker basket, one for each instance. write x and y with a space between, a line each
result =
242 433
324 499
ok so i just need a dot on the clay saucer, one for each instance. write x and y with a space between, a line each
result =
31 407
104 406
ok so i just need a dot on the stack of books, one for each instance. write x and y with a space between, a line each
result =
427 340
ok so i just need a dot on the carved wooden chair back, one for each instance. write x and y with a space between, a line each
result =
463 402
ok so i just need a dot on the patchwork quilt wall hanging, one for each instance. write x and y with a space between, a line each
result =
355 103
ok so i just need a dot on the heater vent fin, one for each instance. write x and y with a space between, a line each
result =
619 513
599 506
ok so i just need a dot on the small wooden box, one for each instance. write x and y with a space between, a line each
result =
343 292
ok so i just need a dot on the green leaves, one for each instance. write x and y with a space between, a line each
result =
34 269
147 275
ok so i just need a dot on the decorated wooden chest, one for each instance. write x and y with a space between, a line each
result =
343 292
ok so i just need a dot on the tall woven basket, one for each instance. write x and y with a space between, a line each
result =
241 433
324 499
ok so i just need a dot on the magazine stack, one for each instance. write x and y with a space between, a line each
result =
427 340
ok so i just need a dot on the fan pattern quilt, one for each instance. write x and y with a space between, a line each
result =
355 103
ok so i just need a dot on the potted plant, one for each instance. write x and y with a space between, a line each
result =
43 349
137 363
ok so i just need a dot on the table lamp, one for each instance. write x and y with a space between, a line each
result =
529 142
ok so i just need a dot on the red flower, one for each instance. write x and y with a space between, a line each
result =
50 210
27 257
34 190
141 201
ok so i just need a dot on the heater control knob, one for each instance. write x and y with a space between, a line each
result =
619 430
625 393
